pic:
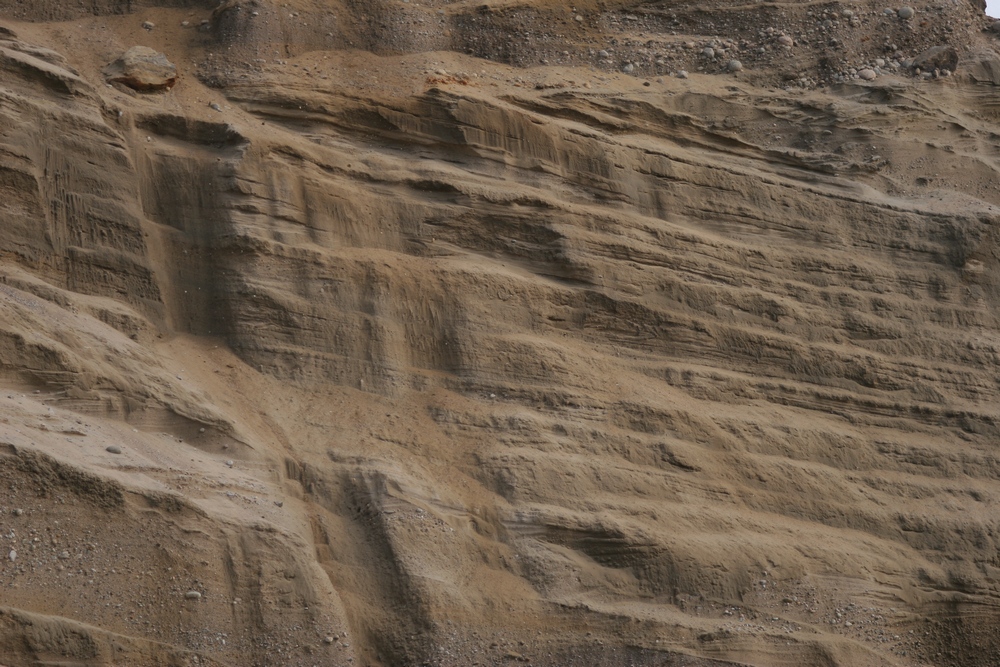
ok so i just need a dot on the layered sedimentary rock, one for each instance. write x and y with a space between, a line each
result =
346 351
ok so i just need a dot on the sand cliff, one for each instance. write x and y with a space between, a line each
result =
505 333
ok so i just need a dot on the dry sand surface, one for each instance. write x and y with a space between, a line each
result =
500 333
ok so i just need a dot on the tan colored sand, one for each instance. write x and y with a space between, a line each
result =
407 355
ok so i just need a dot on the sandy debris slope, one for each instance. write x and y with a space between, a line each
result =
499 333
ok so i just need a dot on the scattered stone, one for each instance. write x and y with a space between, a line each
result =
682 74
215 106
867 74
148 25
785 40
143 69
936 57
192 595
603 54
114 449
185 24
18 512
63 555
279 503
12 555
327 640
708 52
579 19
628 68
229 463
906 12
734 66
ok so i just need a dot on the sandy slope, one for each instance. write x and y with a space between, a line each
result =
445 341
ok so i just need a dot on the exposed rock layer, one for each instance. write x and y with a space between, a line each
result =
423 358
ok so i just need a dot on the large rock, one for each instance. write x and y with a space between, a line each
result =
983 67
143 69
936 57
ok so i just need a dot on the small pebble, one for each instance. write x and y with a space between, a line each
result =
628 68
603 54
193 595
229 463
12 555
785 40
867 74
682 74
148 25
114 449
215 106
708 52
328 640
906 12
734 66
18 512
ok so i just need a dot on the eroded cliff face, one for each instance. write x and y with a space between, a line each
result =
413 349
